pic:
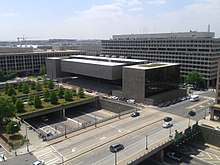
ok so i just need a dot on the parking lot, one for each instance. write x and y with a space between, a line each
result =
53 124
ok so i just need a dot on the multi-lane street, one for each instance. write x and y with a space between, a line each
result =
93 147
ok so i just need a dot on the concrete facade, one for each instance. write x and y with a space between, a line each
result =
29 62
98 67
197 51
92 70
215 109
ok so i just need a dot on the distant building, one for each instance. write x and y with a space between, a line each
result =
197 51
139 79
26 61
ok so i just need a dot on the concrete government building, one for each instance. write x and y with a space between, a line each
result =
26 61
151 83
193 50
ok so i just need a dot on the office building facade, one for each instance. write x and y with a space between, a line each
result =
194 51
29 62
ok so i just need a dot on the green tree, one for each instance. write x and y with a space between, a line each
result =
53 97
11 74
42 70
67 95
31 99
33 85
13 99
60 92
194 78
19 87
46 95
81 93
73 92
50 84
25 88
6 87
7 108
2 76
37 102
19 105
11 91
13 127
38 87
45 82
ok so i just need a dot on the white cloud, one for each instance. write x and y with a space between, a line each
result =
134 3
158 2
195 16
136 9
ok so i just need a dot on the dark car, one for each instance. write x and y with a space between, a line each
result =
135 114
192 113
116 147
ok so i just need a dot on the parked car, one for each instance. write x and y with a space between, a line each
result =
39 162
168 122
135 114
166 104
174 156
192 113
116 147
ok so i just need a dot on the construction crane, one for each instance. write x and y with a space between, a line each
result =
21 39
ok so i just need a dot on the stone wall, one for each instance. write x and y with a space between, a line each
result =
210 136
114 106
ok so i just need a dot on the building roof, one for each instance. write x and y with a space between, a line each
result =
108 58
151 66
191 34
94 62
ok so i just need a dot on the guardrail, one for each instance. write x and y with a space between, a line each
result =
84 125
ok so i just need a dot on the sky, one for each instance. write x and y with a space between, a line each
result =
100 19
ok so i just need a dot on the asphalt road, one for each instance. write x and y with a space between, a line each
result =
93 147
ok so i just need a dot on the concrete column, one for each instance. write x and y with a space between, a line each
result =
160 156
64 113
212 113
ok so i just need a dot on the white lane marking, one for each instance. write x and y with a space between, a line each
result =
74 149
102 138
79 163
74 121
52 161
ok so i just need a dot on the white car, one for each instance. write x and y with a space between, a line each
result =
39 162
167 122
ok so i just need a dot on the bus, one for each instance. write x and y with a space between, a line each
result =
194 98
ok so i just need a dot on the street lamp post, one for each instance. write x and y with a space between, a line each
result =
27 139
146 144
115 158
119 113
65 131
170 136
95 121
189 121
